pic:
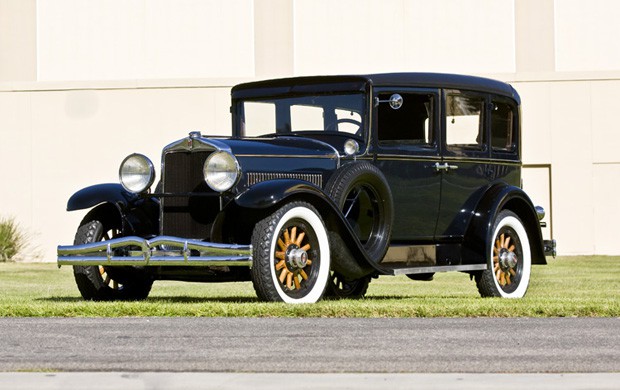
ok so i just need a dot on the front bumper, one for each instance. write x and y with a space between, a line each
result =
158 251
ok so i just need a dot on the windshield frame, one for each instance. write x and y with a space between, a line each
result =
322 86
329 120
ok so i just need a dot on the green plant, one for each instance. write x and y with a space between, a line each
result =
12 240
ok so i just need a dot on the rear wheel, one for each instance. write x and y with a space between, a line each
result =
103 283
511 264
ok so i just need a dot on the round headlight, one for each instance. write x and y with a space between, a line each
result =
136 173
221 171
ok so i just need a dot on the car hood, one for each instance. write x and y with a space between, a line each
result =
280 147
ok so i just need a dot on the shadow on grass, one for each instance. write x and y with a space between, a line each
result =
245 299
161 299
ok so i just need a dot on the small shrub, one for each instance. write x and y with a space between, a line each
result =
12 240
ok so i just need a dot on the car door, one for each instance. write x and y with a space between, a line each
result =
407 150
465 168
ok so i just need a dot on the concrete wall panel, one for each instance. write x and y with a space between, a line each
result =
586 35
572 167
535 122
143 39
606 204
361 36
605 121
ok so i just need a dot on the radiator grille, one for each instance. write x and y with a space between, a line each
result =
257 177
190 206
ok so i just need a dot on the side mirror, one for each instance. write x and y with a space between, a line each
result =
396 101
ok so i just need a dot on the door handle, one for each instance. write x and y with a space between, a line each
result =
444 167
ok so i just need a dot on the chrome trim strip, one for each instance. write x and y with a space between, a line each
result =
445 268
404 157
147 252
323 156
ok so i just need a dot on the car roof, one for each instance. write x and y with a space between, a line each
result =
359 82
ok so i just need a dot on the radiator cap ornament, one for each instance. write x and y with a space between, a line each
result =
192 136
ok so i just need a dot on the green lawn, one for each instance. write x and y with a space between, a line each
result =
568 286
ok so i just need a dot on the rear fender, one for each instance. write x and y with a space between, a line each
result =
479 235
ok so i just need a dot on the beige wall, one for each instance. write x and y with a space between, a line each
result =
144 39
83 84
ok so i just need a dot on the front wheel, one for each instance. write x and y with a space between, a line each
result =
291 257
511 264
99 283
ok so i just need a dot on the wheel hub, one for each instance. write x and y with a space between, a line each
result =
296 258
504 260
507 259
292 258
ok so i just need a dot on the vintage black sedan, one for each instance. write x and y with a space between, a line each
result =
325 183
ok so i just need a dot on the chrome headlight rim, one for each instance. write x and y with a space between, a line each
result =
216 178
147 174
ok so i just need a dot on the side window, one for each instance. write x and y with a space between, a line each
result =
411 124
503 125
464 121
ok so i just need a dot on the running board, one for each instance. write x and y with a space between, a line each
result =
443 268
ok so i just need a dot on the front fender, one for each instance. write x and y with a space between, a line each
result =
503 197
101 193
138 216
348 254
269 193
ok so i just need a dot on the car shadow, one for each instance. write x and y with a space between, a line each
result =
163 299
245 299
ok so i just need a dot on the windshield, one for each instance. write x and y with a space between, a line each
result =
315 114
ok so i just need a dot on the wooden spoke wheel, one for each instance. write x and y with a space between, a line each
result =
107 279
99 283
506 259
511 262
291 255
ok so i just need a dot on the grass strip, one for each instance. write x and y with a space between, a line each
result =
581 286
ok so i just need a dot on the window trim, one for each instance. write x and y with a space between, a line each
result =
516 128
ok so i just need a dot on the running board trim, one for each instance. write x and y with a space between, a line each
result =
444 268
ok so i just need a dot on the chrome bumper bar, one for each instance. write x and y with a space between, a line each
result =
160 250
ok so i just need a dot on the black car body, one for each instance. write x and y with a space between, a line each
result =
325 183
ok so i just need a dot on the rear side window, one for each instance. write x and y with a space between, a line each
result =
503 127
464 121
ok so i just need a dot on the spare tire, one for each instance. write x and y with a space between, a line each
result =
361 192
